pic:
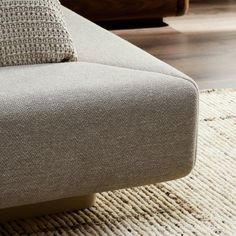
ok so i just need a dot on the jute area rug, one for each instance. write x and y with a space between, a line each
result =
204 203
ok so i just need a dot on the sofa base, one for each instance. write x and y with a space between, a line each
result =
45 208
132 23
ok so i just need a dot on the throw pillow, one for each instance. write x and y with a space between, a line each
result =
33 31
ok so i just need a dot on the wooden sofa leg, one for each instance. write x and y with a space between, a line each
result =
45 208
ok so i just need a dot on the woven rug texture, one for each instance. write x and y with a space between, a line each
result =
203 203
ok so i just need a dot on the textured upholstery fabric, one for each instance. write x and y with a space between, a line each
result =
79 128
106 48
116 119
33 32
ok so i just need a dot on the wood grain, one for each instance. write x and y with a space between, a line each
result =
116 10
182 7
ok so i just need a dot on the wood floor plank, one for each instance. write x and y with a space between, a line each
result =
202 44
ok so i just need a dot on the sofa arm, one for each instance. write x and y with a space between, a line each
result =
73 129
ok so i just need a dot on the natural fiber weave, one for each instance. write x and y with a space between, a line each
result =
204 203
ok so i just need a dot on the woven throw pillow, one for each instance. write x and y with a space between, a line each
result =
33 31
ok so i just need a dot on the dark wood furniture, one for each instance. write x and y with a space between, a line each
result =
117 12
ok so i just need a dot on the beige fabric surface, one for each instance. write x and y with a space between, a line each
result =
204 203
79 128
118 108
33 32
98 45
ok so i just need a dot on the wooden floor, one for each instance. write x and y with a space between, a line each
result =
202 43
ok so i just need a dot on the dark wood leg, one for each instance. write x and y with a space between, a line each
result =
132 23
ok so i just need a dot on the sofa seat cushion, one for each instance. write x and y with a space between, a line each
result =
79 128
33 32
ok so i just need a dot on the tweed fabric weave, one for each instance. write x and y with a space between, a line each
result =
204 203
75 117
33 32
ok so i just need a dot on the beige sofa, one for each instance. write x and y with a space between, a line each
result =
117 118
